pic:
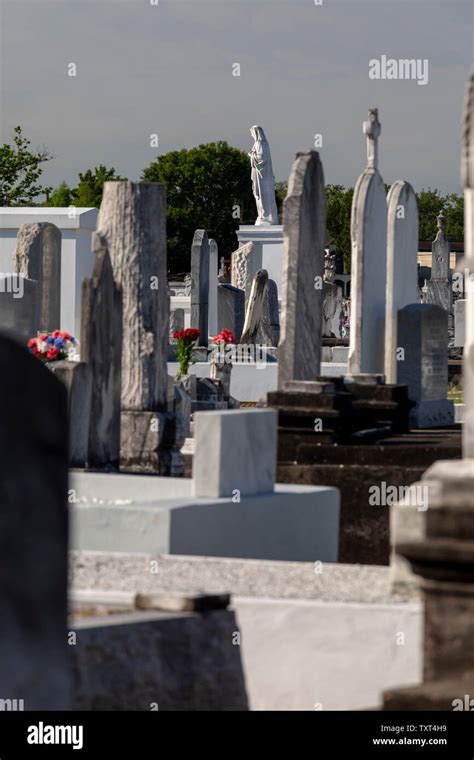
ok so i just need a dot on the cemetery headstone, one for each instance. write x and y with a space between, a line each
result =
18 307
176 322
34 652
459 322
304 230
439 290
423 363
200 285
270 325
402 272
230 309
213 283
37 256
251 434
77 378
101 348
132 227
369 261
243 268
332 302
254 311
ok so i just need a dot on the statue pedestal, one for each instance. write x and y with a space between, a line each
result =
268 248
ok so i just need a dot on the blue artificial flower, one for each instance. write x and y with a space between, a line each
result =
59 344
49 340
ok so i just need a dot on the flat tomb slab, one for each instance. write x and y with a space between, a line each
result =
141 514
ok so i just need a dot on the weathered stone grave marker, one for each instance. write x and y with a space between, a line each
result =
131 226
200 286
37 256
369 261
304 230
402 274
101 348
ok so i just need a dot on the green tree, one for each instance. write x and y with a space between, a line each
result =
281 189
430 203
20 170
454 213
62 196
207 187
338 220
88 193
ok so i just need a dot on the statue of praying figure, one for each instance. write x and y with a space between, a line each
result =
263 181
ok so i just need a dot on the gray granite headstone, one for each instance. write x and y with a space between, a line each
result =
200 285
304 231
269 329
213 283
332 310
101 348
18 307
37 256
34 652
230 309
423 363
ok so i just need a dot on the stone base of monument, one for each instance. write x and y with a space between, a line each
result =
371 478
338 410
303 627
149 514
133 660
432 414
77 378
445 694
151 442
267 248
444 558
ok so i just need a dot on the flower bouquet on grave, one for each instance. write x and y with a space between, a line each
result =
52 347
225 338
185 342
221 364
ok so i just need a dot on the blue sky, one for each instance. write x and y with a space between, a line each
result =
167 69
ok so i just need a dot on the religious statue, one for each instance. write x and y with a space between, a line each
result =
263 181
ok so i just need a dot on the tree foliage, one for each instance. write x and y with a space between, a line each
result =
207 187
20 170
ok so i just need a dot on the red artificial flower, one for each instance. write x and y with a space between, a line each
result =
65 335
225 336
43 336
52 353
56 333
32 343
177 334
191 334
35 351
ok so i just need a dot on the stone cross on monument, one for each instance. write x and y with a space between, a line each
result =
372 128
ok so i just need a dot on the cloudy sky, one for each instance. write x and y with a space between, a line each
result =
167 68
